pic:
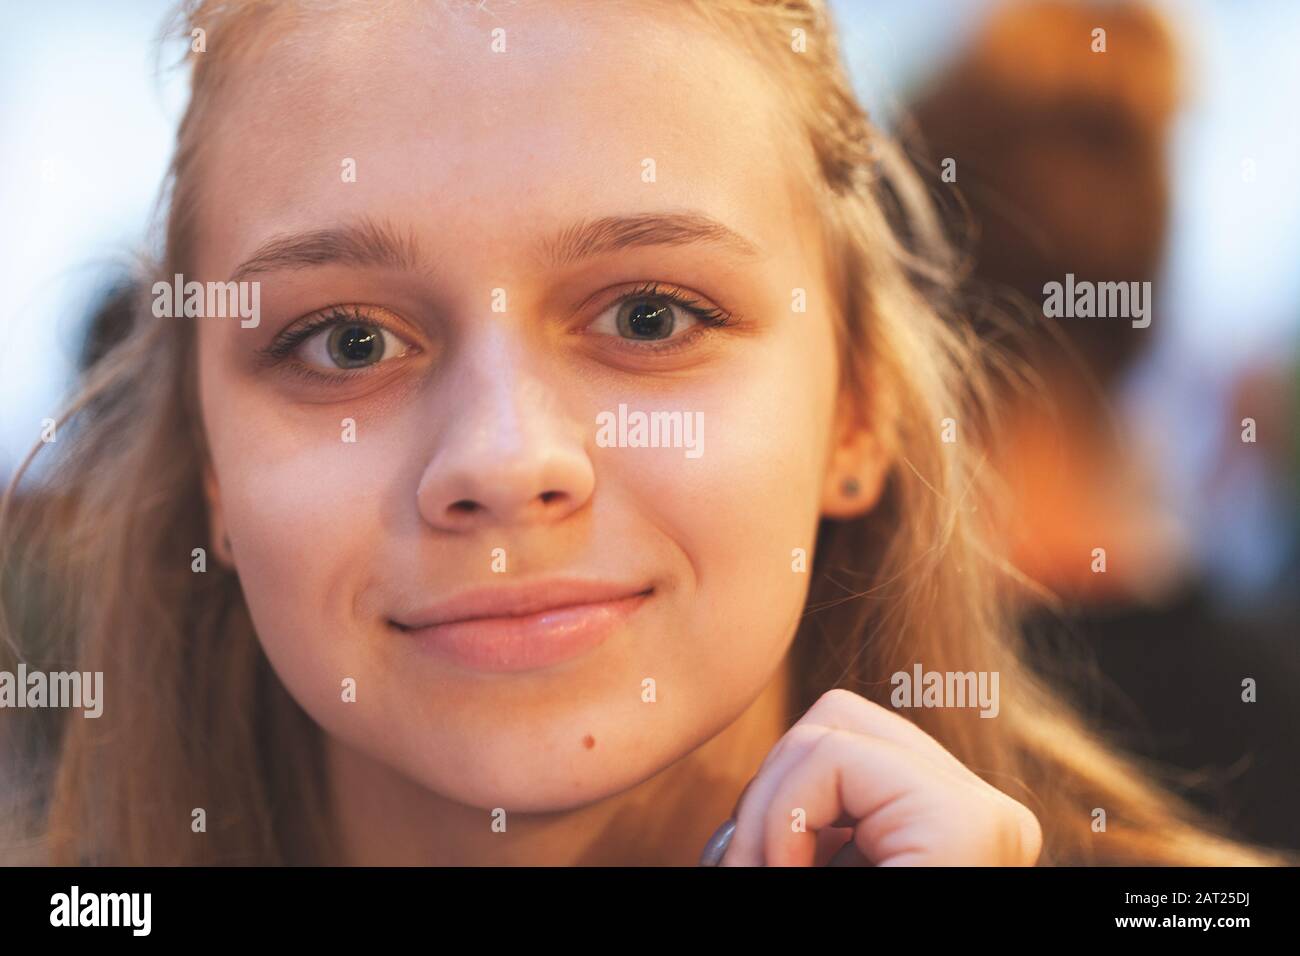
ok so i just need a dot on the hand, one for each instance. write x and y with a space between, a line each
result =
879 790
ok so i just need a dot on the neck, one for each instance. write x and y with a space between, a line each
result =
386 819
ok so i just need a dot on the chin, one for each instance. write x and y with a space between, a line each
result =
530 779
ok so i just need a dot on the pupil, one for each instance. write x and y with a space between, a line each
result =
357 344
650 320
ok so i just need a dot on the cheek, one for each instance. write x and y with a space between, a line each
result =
739 511
304 520
301 525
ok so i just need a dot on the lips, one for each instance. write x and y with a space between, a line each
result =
523 628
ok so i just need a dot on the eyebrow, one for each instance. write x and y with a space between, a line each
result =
363 243
612 233
377 244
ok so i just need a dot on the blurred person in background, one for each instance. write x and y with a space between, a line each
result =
1060 154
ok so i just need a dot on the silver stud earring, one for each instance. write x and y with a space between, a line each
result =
850 487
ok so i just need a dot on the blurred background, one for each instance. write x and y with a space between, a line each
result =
1173 157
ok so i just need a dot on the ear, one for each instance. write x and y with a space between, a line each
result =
216 517
857 466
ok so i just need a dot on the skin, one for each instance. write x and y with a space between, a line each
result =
477 157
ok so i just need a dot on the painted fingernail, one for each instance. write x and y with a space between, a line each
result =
716 848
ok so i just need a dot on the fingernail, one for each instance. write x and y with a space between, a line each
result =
716 848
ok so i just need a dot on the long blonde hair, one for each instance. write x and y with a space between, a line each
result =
100 554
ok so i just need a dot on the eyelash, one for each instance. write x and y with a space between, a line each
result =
284 344
281 349
709 318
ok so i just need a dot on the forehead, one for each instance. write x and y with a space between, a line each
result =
454 134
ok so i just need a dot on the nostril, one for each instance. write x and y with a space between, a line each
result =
467 508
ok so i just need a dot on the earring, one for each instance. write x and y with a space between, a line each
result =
850 487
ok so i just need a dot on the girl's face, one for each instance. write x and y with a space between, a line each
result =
411 491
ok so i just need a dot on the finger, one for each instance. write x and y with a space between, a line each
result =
844 710
746 847
836 709
849 774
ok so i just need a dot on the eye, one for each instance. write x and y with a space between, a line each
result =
350 345
343 339
653 314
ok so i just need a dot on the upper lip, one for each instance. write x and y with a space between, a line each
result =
517 601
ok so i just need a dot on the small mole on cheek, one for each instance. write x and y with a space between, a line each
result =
589 741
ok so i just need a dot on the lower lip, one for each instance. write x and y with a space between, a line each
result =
529 642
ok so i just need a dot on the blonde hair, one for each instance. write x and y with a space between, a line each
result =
200 720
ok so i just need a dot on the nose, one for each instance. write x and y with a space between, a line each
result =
510 455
